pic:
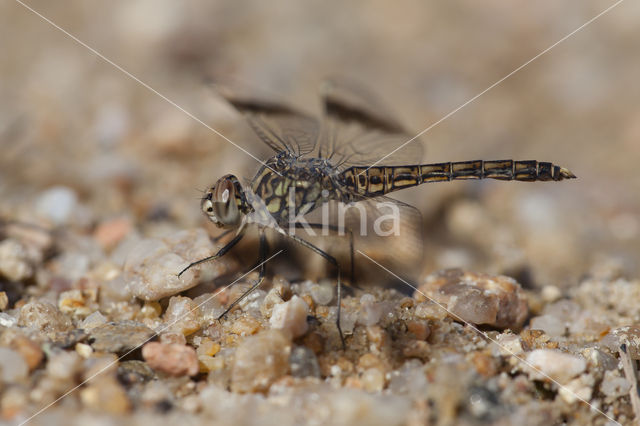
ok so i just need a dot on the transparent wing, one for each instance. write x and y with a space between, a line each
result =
384 229
358 130
279 126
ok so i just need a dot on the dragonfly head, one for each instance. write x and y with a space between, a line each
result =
224 203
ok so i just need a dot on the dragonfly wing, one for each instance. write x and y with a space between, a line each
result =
393 232
384 229
359 130
279 126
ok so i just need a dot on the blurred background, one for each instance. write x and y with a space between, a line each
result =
69 119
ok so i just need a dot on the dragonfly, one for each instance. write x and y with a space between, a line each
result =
334 159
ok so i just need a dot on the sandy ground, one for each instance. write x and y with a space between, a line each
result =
101 174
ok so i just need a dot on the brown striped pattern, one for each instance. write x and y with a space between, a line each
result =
380 180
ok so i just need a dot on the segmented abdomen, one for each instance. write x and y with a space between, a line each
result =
381 180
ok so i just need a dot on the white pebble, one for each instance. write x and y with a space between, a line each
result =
7 320
57 204
84 350
558 365
291 316
577 389
509 344
322 294
272 298
551 293
14 261
614 385
94 320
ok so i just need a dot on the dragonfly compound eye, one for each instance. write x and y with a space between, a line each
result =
224 204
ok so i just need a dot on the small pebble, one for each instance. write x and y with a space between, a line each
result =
272 299
94 320
478 298
551 293
430 311
76 303
509 344
152 265
577 389
207 347
84 350
57 204
119 337
182 315
614 385
14 261
245 326
291 317
173 359
322 293
43 316
209 363
260 360
370 310
13 367
151 310
560 366
7 320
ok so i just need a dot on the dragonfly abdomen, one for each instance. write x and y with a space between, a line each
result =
380 180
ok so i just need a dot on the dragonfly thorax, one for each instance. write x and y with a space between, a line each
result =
225 203
290 186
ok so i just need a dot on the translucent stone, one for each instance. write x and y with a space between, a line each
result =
291 317
260 360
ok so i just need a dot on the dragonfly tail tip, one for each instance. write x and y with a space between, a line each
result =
566 174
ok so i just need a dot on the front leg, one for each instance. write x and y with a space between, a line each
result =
262 261
219 254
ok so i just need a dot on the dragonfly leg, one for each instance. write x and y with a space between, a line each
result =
336 229
219 254
333 261
221 236
262 263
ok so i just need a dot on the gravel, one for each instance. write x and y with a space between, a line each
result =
99 213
